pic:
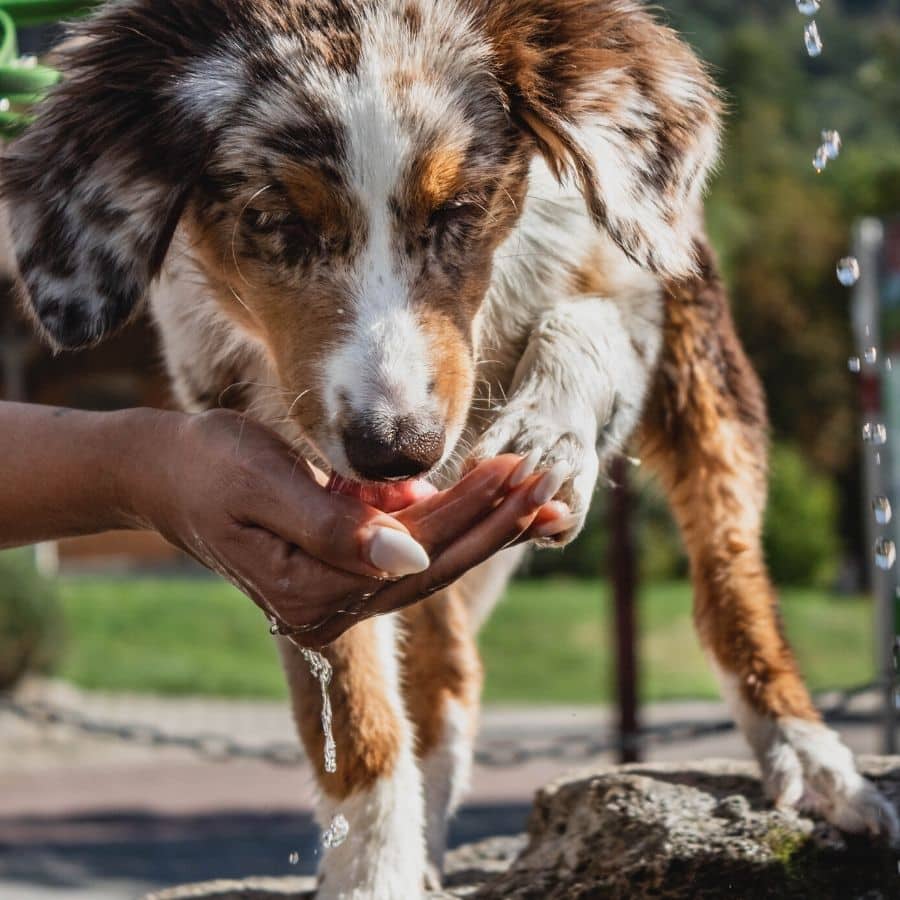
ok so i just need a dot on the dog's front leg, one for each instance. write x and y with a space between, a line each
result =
578 390
377 786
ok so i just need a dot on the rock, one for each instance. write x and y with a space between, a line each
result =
700 831
661 830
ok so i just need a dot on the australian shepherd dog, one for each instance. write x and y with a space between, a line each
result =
447 229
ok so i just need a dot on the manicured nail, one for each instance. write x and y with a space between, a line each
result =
555 526
396 553
551 481
525 467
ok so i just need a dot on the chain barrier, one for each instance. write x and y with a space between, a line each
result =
499 752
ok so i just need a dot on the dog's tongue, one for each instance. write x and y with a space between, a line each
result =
388 496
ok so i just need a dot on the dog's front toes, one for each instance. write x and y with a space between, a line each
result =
809 767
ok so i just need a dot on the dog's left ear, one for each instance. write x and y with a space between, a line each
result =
96 185
615 99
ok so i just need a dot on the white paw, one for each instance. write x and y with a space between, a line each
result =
523 428
808 767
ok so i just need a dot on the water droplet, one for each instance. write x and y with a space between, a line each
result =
4 104
294 858
888 365
874 433
848 272
870 355
881 509
808 7
831 143
877 459
812 40
885 553
820 160
634 461
336 833
853 364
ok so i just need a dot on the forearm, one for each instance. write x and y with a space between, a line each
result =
67 472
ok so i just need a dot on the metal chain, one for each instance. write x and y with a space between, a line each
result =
499 752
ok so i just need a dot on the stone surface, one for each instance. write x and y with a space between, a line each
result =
695 831
663 830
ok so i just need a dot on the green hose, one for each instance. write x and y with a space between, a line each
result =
24 82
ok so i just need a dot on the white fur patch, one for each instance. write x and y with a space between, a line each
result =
446 771
806 765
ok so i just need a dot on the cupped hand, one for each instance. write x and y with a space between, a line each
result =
233 495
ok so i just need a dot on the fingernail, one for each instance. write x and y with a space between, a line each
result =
396 553
551 481
525 467
556 526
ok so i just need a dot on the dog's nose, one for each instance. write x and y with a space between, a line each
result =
403 448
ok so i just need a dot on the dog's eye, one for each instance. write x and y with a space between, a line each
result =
458 210
268 220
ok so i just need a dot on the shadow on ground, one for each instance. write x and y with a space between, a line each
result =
80 854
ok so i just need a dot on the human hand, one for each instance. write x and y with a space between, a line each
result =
231 493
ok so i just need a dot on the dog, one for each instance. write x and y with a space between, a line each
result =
446 229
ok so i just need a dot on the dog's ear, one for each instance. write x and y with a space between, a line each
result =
95 186
616 100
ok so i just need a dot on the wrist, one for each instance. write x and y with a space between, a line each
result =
141 441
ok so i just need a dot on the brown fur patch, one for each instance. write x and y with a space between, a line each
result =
366 728
439 176
704 432
440 662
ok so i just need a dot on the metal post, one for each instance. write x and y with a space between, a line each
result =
624 581
881 475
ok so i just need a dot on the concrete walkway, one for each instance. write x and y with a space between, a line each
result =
87 817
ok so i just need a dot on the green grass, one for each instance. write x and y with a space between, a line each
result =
548 642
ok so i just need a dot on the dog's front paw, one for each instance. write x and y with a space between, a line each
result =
569 447
808 767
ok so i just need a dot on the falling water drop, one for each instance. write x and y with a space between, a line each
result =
848 271
888 365
874 433
831 143
294 858
870 355
881 509
812 40
820 160
853 364
808 7
877 459
336 833
885 553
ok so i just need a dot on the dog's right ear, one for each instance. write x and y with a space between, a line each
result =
95 186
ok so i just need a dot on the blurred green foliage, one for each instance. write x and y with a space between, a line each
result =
800 538
29 618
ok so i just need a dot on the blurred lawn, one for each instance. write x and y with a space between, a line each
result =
547 643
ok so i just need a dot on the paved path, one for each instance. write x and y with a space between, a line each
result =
85 817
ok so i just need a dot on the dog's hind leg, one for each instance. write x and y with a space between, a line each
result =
442 679
377 786
704 431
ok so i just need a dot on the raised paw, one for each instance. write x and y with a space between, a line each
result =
567 452
807 766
